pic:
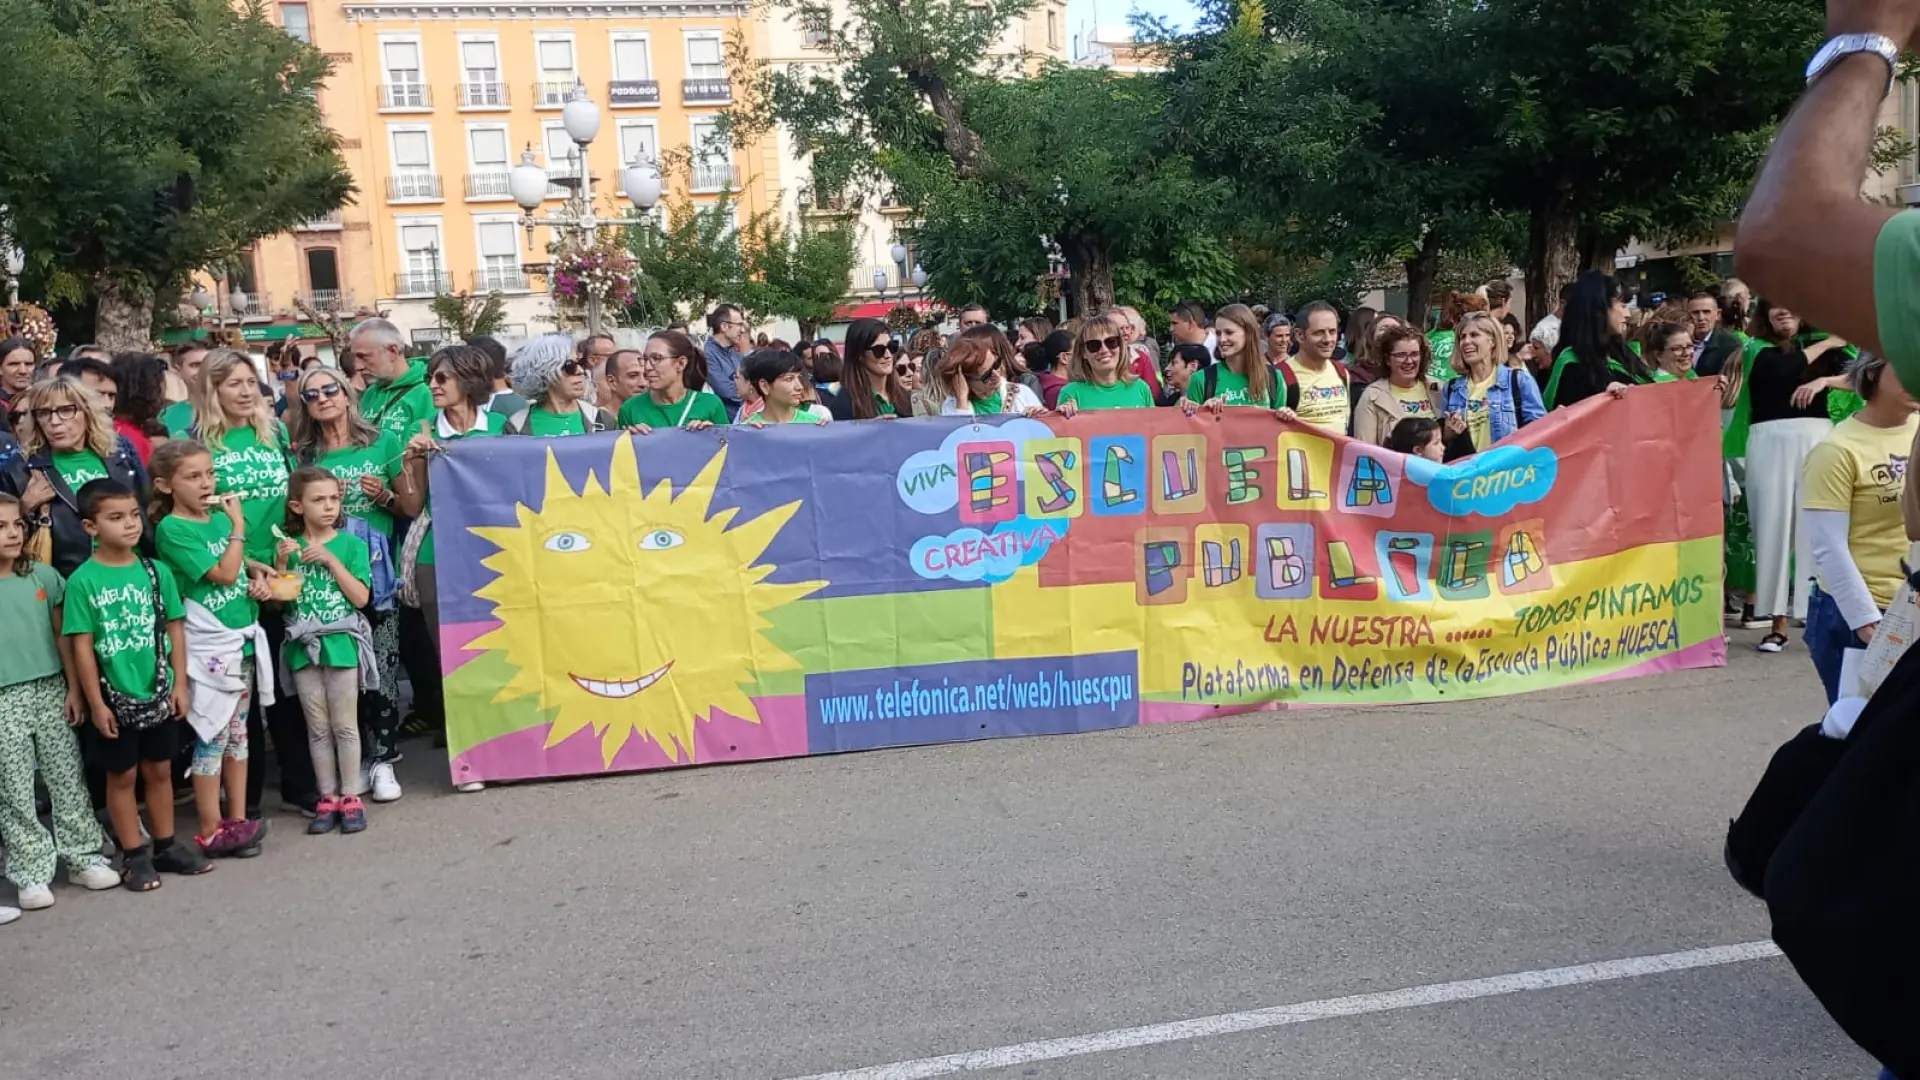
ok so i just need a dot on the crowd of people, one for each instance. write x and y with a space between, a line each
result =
206 551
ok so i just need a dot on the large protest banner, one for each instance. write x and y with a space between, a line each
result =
616 602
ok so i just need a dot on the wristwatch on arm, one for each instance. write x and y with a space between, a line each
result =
1842 46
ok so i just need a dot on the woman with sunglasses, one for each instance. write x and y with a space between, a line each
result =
667 401
976 385
554 381
329 431
869 389
1098 376
1404 393
66 441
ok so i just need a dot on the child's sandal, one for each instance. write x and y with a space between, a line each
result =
183 859
136 870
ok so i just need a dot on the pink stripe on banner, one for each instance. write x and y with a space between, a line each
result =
1709 653
455 638
524 755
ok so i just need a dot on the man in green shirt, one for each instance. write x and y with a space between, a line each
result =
397 398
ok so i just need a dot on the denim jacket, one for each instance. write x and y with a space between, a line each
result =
1513 401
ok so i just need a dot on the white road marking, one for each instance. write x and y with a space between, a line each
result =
1204 1027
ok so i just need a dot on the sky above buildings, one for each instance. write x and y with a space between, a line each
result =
1083 15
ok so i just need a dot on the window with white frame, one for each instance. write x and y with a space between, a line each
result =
561 160
638 142
293 18
499 256
487 152
413 176
632 61
480 64
712 160
705 59
557 70
406 85
421 256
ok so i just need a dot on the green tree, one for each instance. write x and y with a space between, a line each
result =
148 138
467 316
913 107
687 267
799 273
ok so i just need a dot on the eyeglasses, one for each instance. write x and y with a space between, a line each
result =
1096 346
656 359
1412 357
57 412
330 390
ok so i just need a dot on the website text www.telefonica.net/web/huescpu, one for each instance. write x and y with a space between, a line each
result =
904 698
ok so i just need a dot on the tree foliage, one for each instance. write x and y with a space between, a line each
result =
467 316
147 138
800 273
691 264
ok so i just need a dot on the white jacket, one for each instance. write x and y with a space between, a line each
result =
214 658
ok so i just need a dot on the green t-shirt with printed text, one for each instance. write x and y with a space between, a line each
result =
384 459
321 601
1123 394
190 549
1229 387
698 405
399 407
79 468
115 605
258 474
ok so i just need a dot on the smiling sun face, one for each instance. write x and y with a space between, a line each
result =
629 613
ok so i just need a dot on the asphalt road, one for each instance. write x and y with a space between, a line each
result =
817 916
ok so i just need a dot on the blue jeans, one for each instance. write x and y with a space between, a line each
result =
1827 637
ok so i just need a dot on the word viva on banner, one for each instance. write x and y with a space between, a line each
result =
772 593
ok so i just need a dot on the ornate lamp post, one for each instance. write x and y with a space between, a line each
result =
528 183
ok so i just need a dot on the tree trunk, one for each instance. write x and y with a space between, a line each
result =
123 319
809 329
1553 255
1422 269
1092 268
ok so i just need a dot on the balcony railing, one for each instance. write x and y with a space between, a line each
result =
553 93
706 91
327 222
413 186
491 184
257 304
421 283
405 95
715 176
326 299
633 92
499 279
483 94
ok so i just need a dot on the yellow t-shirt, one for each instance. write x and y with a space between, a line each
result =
1414 400
1477 424
1323 397
1860 469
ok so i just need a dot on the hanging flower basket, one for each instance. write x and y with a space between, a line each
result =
603 271
30 321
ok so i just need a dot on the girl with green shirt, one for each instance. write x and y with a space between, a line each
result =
779 381
674 397
1097 378
329 431
554 381
202 538
324 641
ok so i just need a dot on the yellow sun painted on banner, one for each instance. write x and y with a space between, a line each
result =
633 613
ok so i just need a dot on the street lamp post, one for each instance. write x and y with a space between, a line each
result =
528 182
16 262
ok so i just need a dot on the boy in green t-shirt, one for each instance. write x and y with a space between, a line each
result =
123 652
780 378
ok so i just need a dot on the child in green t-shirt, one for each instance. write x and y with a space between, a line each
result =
123 613
202 538
779 379
38 698
329 644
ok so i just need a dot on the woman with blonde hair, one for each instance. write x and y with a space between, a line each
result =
67 440
976 385
1239 374
1488 399
1098 373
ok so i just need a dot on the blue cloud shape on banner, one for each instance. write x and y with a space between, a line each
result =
929 482
968 554
1489 483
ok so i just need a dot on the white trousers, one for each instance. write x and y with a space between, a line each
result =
1783 561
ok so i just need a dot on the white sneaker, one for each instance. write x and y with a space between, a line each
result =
94 878
470 786
381 780
8 913
35 898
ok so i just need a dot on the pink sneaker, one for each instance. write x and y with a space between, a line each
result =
326 816
353 815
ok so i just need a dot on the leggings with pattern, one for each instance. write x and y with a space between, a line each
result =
33 728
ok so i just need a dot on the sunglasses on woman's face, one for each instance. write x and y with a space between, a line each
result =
986 375
571 368
902 369
441 378
882 348
313 394
1096 346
